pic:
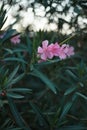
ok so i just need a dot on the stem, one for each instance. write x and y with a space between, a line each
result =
66 39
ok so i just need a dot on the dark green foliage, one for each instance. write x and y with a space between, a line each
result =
51 95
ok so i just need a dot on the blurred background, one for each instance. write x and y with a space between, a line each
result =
64 16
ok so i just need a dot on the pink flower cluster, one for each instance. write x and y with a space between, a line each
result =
15 39
49 51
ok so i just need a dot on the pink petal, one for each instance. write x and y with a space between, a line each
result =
45 44
15 39
50 55
43 56
62 56
54 49
40 50
57 45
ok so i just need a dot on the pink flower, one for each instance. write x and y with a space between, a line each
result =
65 51
54 49
43 52
62 54
15 39
70 51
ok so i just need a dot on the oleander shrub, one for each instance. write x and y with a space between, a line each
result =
41 88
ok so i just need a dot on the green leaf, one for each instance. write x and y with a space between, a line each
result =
81 95
47 62
1 69
5 123
3 20
13 81
65 110
2 16
19 50
66 79
1 101
8 35
13 129
14 59
12 75
39 114
70 90
29 45
40 75
70 73
14 95
18 118
23 90
8 50
17 79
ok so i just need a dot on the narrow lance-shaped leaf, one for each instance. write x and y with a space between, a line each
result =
29 45
5 123
39 114
81 95
47 62
9 51
23 90
16 79
14 95
13 129
8 34
13 81
65 110
12 75
72 75
15 59
70 90
18 118
40 75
